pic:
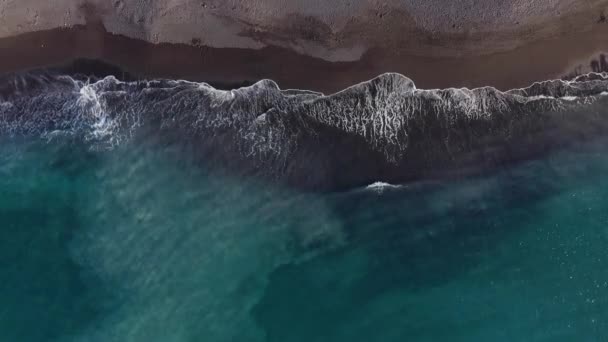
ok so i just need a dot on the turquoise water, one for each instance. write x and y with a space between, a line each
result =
141 244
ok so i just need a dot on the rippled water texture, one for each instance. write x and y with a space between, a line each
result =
139 244
169 211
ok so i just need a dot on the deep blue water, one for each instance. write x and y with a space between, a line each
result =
139 243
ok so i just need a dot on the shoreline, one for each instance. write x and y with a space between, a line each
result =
554 58
308 140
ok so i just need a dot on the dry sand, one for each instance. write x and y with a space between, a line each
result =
316 44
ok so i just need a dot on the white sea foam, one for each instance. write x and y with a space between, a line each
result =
262 122
102 126
380 187
569 98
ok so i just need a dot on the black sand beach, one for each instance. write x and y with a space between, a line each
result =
558 57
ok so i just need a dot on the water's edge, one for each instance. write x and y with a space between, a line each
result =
384 129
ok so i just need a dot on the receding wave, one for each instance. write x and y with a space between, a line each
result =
383 129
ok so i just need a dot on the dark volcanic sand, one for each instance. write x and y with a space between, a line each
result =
535 61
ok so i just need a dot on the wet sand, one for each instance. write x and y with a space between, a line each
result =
535 61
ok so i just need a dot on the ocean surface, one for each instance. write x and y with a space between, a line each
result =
116 230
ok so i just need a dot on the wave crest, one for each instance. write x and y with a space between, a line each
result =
386 127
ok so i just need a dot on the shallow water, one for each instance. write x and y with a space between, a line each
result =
172 211
140 243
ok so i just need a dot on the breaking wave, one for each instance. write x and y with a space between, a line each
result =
383 129
380 187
